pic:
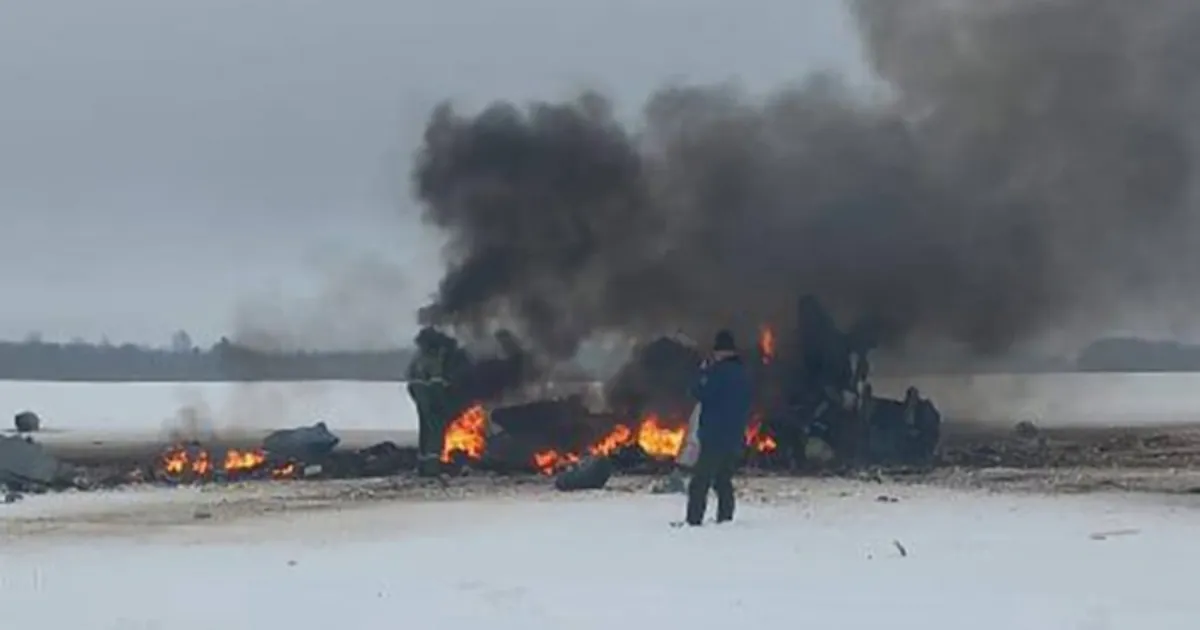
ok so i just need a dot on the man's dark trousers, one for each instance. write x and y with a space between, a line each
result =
713 471
433 410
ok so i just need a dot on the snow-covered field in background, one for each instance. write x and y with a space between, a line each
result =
141 407
1090 399
823 559
1061 399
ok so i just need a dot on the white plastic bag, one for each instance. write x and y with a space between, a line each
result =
690 453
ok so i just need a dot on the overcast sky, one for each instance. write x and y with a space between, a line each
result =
214 165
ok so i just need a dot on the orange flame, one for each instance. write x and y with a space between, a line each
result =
758 441
658 440
655 437
618 437
174 463
285 471
766 344
244 460
549 461
192 461
466 435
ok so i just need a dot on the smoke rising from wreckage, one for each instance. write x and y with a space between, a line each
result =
1003 187
1026 155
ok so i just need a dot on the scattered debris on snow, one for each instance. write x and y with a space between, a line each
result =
25 465
27 422
591 473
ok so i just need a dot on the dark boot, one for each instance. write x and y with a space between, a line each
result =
723 485
725 506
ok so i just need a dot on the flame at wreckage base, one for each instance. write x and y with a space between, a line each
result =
656 437
826 415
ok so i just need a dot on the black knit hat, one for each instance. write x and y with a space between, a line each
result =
724 342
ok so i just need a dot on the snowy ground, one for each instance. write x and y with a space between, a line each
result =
817 554
803 553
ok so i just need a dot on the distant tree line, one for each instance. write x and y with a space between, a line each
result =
37 360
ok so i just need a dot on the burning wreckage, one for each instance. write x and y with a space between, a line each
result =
814 409
301 453
27 466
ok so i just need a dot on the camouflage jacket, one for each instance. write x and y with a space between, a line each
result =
428 368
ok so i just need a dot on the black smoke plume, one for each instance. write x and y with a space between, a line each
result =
1030 162
487 376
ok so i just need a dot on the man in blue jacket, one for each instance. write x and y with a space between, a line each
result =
725 394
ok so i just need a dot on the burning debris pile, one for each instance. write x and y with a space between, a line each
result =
27 466
502 439
644 425
814 408
193 462
299 453
284 454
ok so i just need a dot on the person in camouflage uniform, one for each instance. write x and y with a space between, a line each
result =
430 386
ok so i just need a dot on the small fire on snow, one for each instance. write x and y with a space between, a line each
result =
195 462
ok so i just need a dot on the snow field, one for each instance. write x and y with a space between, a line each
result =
824 557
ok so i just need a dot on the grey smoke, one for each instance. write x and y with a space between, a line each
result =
1031 163
357 304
